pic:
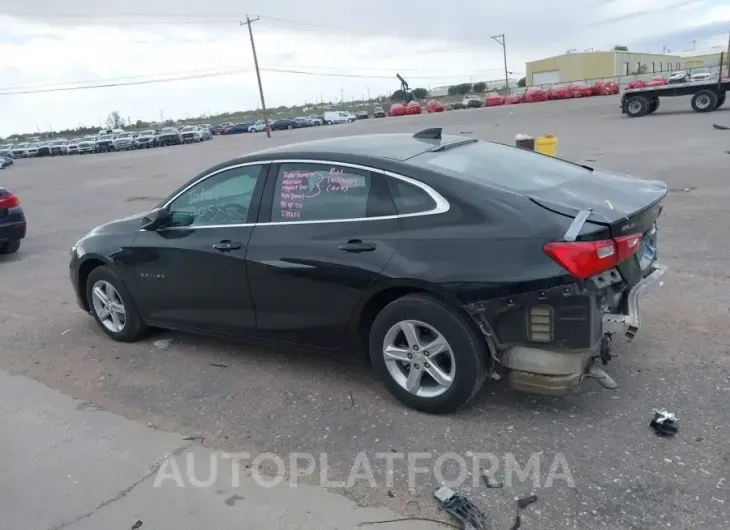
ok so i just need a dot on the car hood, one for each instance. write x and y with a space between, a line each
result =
124 225
611 196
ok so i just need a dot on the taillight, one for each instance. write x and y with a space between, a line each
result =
584 259
8 201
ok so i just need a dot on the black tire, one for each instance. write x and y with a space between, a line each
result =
704 101
469 351
720 100
636 106
10 247
134 329
329 122
289 127
653 105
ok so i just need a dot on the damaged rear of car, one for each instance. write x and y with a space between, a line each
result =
565 256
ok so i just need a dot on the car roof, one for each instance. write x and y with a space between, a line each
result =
399 147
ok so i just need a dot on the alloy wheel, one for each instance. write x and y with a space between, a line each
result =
419 358
108 306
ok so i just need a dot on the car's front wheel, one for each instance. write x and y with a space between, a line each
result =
427 354
112 306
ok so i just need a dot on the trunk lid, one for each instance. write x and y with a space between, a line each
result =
624 205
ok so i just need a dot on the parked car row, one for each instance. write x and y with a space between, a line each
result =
314 120
108 140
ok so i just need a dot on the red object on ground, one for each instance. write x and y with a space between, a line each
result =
512 100
580 90
559 92
534 94
434 106
414 107
493 100
656 81
397 109
636 83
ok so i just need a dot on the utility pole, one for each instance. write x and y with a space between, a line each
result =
501 40
342 96
727 55
258 73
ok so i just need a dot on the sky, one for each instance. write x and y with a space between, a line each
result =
308 50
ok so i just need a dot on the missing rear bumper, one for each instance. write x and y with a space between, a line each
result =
627 325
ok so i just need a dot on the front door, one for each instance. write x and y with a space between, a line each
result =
192 274
326 232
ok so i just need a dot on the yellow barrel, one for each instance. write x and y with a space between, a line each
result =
547 145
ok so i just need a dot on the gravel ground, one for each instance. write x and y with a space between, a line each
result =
623 476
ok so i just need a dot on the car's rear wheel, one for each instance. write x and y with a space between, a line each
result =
10 247
427 355
112 306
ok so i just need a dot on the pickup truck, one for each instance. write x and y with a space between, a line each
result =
169 136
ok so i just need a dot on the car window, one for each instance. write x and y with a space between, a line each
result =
222 199
501 165
409 198
318 192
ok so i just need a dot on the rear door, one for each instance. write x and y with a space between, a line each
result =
325 233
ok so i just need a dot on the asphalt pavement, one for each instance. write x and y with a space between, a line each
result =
600 465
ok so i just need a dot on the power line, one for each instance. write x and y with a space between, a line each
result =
128 83
118 82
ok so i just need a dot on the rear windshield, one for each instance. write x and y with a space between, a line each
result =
500 165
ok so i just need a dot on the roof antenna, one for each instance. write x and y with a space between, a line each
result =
429 134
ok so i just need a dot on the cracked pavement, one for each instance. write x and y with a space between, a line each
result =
288 401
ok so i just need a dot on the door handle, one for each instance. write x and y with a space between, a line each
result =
356 245
226 245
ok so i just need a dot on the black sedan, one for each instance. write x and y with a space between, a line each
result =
12 222
279 125
6 161
441 258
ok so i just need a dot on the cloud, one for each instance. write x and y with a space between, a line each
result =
429 43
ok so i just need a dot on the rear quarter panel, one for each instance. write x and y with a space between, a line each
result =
488 245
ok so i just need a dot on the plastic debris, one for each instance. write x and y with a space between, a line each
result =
524 502
664 423
137 525
490 481
162 343
462 509
219 365
720 127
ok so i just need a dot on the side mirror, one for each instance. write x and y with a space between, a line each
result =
156 219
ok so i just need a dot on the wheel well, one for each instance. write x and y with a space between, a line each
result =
84 271
374 306
378 302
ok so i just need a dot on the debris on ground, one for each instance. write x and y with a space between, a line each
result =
162 343
490 481
721 127
136 525
664 423
462 509
219 365
522 503
67 331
